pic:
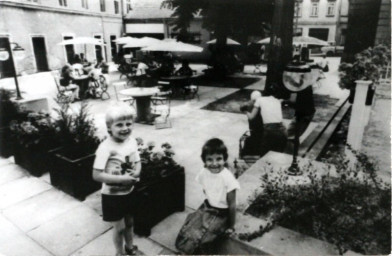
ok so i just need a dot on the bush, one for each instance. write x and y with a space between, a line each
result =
368 65
76 131
351 209
8 109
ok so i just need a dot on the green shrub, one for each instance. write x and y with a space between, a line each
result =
351 209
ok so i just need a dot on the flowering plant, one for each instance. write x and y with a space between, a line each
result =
36 129
155 162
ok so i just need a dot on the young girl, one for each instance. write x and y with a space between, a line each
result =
216 216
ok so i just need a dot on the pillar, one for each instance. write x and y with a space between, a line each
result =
359 118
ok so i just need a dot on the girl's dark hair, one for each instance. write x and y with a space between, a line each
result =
214 146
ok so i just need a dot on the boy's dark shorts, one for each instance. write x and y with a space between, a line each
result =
115 207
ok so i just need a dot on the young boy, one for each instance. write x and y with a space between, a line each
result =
117 166
216 216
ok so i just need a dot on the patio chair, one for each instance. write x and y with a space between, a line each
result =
121 86
98 86
160 106
64 95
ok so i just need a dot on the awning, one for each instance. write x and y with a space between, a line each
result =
143 28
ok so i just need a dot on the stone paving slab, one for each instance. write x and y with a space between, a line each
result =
71 230
103 245
20 189
13 242
39 209
10 172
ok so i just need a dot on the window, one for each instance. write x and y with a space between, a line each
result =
297 31
315 8
116 7
331 9
85 4
102 5
63 2
129 7
298 10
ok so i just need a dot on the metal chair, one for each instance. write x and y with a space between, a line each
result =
64 95
120 86
98 86
160 106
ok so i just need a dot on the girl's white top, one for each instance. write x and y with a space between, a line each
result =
217 185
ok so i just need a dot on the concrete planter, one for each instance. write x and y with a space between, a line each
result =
35 159
159 198
73 175
6 142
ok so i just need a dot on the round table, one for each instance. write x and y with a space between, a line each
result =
82 81
142 96
178 83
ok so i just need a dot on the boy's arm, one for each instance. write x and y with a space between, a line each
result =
252 115
100 176
232 208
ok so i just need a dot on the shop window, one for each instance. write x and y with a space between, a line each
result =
102 5
129 7
298 9
63 2
85 4
116 7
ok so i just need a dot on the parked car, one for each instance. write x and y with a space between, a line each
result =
332 49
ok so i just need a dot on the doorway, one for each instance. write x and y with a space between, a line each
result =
113 47
98 49
39 48
7 68
69 50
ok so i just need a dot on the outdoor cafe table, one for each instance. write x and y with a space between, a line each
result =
82 81
142 96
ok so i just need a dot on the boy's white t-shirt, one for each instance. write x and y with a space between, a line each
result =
217 185
270 109
113 153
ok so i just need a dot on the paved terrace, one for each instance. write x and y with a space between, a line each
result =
37 219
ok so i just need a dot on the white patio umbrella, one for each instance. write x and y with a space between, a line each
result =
82 40
229 41
299 40
142 42
172 46
125 40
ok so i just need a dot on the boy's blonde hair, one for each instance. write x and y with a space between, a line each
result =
118 111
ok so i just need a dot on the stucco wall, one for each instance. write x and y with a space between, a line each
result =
20 24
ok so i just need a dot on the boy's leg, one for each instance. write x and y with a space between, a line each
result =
118 231
128 231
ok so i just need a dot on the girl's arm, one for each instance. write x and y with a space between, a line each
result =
232 208
251 115
101 176
136 172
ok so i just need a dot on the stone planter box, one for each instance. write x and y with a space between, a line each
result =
6 142
159 198
36 159
73 175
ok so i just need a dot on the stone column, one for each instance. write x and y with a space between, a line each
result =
359 118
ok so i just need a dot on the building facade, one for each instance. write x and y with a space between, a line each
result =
323 19
39 25
149 18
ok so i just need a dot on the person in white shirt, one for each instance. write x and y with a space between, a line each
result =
216 216
274 135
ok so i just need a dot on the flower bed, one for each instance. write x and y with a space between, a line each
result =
351 209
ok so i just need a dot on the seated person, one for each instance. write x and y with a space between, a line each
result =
76 59
67 81
252 143
166 69
184 70
83 60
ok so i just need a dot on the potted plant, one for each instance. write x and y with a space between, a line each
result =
33 137
161 188
71 169
368 65
9 111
